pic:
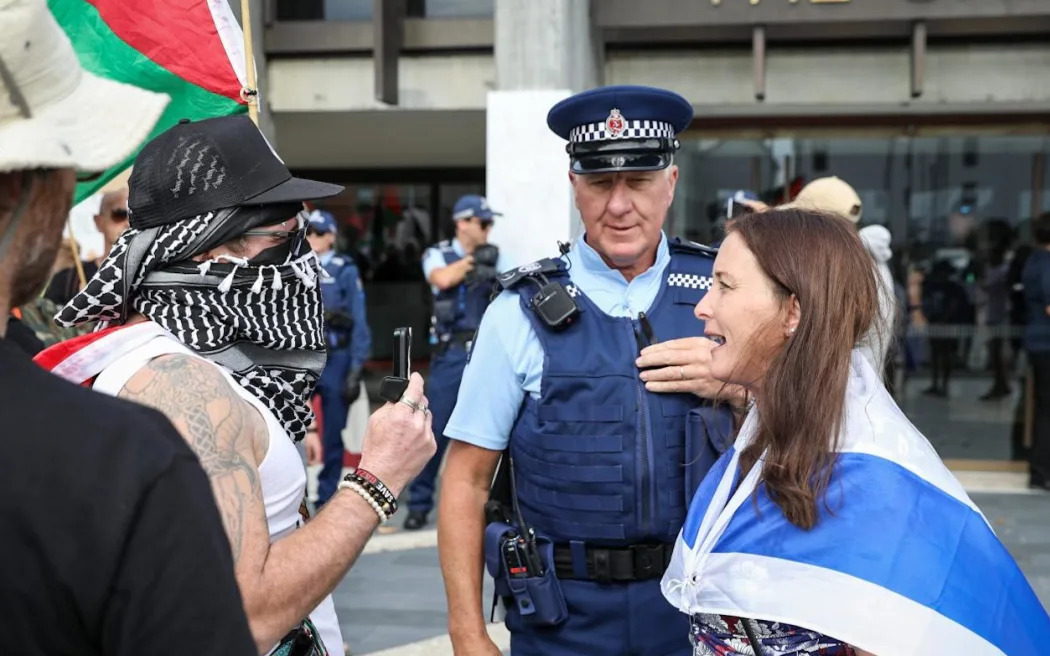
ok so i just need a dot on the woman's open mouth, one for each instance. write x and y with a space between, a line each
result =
717 339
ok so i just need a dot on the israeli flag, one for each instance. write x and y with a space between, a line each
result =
902 564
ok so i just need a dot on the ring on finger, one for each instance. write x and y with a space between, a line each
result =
681 373
410 403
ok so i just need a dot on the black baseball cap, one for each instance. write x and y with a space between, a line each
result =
202 166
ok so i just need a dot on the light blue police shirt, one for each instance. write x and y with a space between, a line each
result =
433 259
507 359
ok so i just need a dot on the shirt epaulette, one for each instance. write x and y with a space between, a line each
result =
546 266
680 245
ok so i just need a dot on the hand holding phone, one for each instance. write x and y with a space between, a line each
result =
394 386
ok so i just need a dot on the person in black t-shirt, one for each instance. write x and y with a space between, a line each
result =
111 220
110 540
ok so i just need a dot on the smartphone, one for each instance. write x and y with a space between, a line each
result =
393 386
402 352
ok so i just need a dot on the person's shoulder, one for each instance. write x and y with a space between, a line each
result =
512 278
684 246
87 428
440 247
344 264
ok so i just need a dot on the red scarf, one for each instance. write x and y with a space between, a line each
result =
57 354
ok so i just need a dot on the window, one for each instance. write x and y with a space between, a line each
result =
959 209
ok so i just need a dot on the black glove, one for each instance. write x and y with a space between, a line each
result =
352 386
487 255
480 274
339 320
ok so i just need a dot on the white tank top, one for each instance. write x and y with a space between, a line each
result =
281 472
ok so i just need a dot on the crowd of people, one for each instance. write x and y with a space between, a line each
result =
654 446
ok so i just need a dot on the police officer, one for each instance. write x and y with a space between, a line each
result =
461 272
348 339
604 411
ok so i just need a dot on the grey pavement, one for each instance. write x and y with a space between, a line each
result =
392 599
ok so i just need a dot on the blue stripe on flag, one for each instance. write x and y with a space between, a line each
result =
890 527
702 497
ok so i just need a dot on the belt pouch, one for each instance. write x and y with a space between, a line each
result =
445 310
539 599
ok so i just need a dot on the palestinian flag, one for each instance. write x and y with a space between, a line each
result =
192 50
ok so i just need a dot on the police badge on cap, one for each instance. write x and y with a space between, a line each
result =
621 128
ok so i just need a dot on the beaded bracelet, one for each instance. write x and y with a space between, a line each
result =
352 485
375 488
369 480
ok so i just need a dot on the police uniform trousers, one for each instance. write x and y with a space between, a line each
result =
446 373
334 410
613 619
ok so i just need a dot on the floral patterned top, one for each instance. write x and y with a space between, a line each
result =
723 635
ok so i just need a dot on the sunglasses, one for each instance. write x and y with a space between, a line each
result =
118 214
278 236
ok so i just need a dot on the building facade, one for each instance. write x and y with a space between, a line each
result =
937 111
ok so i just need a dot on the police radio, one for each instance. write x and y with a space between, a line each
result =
519 548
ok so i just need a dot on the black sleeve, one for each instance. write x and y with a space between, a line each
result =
59 287
175 592
23 336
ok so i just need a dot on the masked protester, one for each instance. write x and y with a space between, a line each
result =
210 310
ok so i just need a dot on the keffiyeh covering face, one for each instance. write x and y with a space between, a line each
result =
262 322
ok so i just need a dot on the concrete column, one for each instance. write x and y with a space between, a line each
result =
545 50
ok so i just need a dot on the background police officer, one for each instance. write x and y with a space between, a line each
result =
348 339
461 272
604 418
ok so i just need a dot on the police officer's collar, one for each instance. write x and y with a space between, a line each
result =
326 258
592 261
457 246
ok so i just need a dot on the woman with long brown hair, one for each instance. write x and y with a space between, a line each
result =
831 527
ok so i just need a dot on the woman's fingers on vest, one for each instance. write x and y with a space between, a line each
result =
669 386
686 350
694 354
677 373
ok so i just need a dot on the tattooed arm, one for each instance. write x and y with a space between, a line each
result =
280 582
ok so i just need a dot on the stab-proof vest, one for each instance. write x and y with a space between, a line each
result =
338 298
458 309
597 458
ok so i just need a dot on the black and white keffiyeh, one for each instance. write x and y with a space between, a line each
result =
263 323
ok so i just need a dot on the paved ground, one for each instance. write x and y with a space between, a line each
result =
393 602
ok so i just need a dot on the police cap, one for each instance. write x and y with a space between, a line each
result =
621 128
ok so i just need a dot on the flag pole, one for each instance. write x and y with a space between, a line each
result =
251 92
77 264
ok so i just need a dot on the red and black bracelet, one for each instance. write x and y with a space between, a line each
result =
375 488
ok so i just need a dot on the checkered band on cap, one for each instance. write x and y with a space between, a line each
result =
632 130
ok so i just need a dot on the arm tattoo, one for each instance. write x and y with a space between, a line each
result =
218 426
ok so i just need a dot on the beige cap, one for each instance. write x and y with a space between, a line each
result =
54 114
830 195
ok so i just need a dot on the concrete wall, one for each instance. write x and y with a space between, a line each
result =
860 76
325 106
810 78
345 84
